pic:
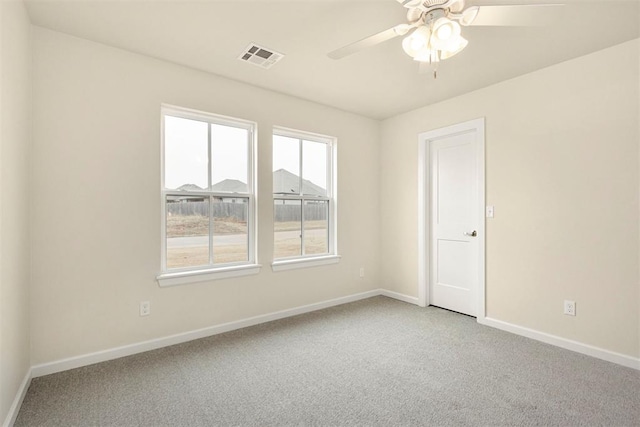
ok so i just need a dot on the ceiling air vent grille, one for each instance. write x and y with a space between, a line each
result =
260 56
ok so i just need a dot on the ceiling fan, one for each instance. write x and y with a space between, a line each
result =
433 28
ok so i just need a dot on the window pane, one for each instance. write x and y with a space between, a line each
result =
316 227
230 233
187 231
287 228
314 168
286 165
229 156
186 154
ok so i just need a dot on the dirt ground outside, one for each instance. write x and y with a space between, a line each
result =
231 244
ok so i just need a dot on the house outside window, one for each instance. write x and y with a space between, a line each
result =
208 196
304 197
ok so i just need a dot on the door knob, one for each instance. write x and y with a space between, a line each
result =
472 234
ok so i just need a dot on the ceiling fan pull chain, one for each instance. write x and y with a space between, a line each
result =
434 63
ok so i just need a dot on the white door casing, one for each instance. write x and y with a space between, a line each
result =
451 208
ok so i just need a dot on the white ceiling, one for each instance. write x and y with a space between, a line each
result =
380 82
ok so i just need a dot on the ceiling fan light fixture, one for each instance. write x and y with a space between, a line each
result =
460 45
416 41
428 55
407 46
445 34
469 15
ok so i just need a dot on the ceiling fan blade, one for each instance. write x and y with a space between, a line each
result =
370 41
533 15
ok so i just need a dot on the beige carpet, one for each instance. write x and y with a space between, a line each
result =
373 362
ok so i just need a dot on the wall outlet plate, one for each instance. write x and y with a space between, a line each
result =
570 308
145 308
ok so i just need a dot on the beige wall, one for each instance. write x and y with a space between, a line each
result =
97 148
15 96
562 172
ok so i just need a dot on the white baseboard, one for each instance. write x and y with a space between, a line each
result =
128 350
17 402
399 296
599 353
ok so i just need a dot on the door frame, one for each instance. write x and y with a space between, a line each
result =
424 207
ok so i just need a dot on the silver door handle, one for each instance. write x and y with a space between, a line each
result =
472 234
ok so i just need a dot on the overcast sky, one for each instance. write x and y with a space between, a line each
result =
186 154
286 155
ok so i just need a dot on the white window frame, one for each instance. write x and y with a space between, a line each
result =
331 257
178 276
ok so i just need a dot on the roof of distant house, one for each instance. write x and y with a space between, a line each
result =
284 182
230 186
190 187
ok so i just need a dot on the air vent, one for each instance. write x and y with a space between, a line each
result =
260 56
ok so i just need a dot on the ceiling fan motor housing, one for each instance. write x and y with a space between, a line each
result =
434 3
428 5
421 10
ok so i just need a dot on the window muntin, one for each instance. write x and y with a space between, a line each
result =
187 231
230 231
229 157
186 153
316 227
314 168
304 204
286 165
207 186
287 237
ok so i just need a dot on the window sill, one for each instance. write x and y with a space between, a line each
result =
292 264
184 277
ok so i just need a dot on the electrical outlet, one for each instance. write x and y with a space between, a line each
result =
145 308
361 272
570 308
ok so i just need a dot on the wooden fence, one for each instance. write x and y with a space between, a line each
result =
239 211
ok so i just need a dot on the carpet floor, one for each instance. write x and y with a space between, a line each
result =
372 362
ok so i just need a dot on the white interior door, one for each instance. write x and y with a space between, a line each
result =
455 223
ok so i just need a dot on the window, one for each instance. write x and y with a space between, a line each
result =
208 203
303 197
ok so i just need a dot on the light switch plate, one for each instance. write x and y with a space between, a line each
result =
489 211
